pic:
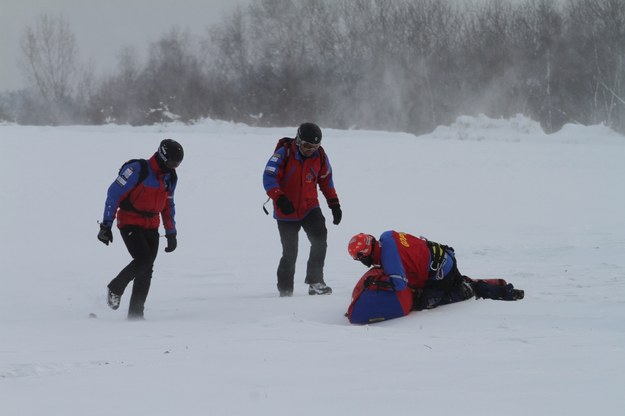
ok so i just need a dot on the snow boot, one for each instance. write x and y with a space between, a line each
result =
496 289
113 300
515 294
319 289
285 290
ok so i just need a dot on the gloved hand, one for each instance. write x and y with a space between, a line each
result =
105 235
337 214
285 205
172 243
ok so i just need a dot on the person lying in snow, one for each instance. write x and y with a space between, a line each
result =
427 270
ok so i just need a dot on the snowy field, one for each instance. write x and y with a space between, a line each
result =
545 212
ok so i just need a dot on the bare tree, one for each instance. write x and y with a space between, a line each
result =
50 57
172 85
117 98
601 43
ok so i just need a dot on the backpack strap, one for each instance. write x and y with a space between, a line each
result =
322 156
144 170
286 143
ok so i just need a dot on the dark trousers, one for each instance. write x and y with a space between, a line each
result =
450 289
142 245
431 297
315 227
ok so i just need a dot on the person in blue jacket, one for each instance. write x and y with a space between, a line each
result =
291 177
428 268
142 193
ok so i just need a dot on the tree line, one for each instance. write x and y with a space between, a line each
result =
398 65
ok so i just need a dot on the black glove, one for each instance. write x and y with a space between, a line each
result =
105 235
172 243
337 214
285 205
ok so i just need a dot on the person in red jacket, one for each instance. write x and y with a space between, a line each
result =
428 268
143 191
291 177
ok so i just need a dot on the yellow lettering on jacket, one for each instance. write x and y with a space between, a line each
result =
403 240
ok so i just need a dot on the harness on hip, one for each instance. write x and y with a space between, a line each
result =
438 256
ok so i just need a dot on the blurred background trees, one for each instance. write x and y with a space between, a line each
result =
50 64
401 65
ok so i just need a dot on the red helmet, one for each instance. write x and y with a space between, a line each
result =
360 246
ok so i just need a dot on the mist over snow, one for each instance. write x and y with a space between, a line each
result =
543 211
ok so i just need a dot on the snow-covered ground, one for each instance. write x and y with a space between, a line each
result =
545 212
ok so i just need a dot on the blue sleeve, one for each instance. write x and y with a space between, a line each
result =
391 260
169 213
125 182
272 169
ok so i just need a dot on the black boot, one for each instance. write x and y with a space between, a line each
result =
497 291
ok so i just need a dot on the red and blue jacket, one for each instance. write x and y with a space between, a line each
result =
408 258
289 173
140 204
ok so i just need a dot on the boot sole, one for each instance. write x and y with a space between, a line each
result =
313 293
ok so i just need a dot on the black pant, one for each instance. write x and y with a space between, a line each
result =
315 227
142 245
452 288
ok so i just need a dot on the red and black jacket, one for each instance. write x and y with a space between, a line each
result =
137 201
289 173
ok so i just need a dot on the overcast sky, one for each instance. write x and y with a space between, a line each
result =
103 27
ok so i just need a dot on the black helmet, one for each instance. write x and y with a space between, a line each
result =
309 132
170 153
